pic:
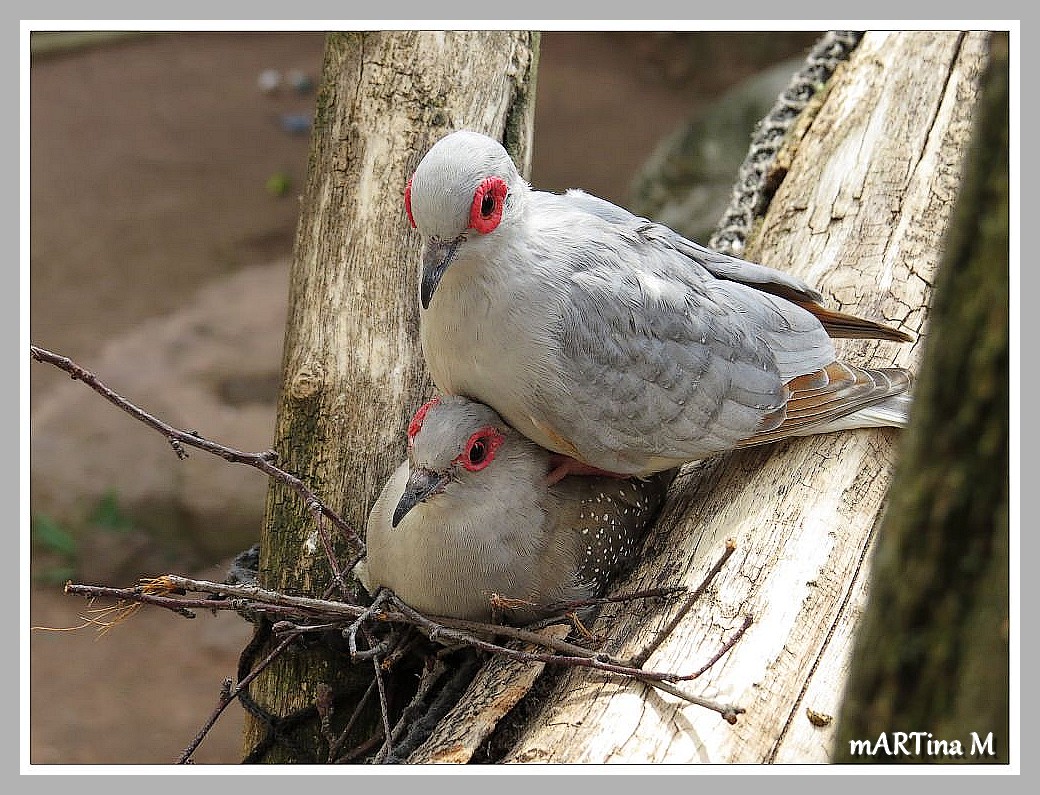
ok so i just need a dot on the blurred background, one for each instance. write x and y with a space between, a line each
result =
165 175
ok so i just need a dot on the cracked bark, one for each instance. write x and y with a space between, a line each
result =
352 366
861 214
937 623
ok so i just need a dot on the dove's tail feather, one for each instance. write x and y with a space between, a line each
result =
838 397
840 324
893 412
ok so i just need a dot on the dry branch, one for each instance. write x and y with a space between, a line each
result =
264 461
295 614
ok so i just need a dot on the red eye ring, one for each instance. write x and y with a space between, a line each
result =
480 449
486 211
408 202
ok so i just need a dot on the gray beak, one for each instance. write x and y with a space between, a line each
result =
437 256
422 484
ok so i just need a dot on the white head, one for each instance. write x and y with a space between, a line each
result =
464 458
465 191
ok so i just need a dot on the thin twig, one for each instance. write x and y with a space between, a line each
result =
650 593
227 698
335 747
254 593
384 708
467 632
263 461
569 654
639 660
729 712
177 604
660 681
362 749
438 627
281 627
337 574
324 703
409 641
350 633
429 678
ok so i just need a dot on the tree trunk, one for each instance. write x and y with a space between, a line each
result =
861 214
353 368
932 651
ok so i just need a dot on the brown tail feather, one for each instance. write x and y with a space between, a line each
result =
839 324
829 394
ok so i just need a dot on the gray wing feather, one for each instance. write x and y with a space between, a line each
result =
719 265
667 359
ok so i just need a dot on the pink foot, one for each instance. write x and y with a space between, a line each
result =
564 465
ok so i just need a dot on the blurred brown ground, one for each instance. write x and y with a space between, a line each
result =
149 160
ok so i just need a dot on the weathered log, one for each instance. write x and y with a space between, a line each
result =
861 213
933 649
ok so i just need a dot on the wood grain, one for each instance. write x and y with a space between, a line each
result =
861 214
352 363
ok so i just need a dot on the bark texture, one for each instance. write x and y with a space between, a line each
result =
933 649
352 364
871 175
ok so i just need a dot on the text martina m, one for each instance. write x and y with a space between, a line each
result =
921 744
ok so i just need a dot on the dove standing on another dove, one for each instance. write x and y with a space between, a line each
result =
614 340
470 514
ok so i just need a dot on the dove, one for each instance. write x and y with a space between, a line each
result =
469 526
613 340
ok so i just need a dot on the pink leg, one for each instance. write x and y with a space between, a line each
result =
564 465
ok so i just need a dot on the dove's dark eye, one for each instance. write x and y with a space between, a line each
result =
488 200
480 449
478 452
487 205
